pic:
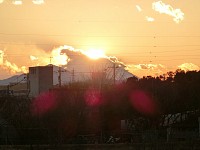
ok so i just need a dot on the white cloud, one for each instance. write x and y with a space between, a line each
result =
33 57
188 67
38 2
12 67
17 2
138 8
1 57
150 19
163 8
148 69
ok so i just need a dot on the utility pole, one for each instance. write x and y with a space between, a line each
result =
50 58
114 73
73 76
59 76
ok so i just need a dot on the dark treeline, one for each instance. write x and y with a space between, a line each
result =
87 108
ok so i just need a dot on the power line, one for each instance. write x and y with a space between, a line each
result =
127 54
141 46
89 20
80 35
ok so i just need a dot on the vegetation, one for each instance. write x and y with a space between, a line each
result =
81 108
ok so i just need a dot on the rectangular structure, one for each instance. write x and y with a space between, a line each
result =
40 79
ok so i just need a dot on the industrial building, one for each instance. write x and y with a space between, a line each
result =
40 79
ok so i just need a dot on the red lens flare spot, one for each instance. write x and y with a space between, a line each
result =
93 97
143 102
44 103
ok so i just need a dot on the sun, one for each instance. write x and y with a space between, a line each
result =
95 53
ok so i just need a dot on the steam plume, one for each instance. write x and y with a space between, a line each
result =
163 8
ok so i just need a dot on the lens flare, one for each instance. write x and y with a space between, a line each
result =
93 97
44 103
143 103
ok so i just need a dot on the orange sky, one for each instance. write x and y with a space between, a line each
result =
149 40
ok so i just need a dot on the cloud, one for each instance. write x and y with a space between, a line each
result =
61 56
17 2
11 67
20 2
150 19
1 57
138 8
55 57
188 67
38 2
33 58
148 69
163 8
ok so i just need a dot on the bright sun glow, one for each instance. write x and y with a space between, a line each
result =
95 53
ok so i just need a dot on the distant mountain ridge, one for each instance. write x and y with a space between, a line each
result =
13 79
66 77
81 68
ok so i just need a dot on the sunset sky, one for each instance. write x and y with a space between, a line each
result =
151 37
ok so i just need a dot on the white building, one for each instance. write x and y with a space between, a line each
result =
40 79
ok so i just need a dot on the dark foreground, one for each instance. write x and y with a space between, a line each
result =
135 146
